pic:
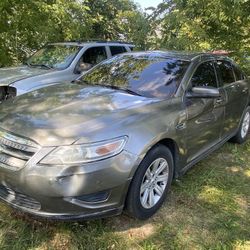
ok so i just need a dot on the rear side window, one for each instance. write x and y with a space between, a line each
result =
117 50
238 73
204 76
225 71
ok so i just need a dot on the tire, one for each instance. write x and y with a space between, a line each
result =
137 205
244 128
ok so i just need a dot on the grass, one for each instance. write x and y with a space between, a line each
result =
208 208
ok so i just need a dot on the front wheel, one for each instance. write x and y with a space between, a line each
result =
150 183
243 131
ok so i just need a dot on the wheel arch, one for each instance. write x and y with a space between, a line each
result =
173 147
171 144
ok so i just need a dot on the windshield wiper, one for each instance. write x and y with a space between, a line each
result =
78 81
40 65
26 63
129 91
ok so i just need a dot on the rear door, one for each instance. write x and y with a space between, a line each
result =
233 83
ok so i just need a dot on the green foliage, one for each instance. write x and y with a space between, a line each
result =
27 25
197 24
175 24
203 25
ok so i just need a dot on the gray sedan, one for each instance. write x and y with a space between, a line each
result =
116 138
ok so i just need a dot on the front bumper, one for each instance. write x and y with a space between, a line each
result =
90 190
66 216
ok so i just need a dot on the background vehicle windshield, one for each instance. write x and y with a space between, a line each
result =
149 76
54 56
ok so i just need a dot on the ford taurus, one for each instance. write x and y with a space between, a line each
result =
116 138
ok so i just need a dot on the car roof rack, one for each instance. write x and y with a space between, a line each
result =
99 41
120 42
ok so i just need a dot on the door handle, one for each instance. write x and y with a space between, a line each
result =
181 126
234 87
219 101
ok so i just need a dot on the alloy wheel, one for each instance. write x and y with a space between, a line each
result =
154 183
245 125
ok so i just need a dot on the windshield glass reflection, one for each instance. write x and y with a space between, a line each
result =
54 56
149 76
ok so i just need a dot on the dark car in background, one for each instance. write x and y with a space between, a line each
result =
116 138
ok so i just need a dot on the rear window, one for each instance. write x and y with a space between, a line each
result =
147 76
225 71
117 50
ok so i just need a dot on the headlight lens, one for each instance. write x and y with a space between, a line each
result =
82 153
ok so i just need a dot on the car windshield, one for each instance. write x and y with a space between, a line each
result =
149 76
54 56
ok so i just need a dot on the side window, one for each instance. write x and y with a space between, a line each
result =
226 72
238 73
94 55
117 50
204 76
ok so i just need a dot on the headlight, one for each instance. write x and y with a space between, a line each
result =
7 92
82 153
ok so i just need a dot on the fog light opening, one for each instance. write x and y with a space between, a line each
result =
94 198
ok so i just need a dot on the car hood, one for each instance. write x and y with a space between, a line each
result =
64 113
13 74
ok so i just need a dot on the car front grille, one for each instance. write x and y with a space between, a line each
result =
15 151
18 199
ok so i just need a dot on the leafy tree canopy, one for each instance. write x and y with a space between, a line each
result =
202 25
175 24
28 25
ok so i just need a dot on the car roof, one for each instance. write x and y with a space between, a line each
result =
181 55
98 42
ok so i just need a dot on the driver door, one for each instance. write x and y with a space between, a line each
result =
204 115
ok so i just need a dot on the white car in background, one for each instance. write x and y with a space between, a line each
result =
55 63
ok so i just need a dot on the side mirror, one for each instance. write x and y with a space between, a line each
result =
82 67
203 92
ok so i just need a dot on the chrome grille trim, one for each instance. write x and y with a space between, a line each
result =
3 165
16 145
15 151
8 151
9 162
